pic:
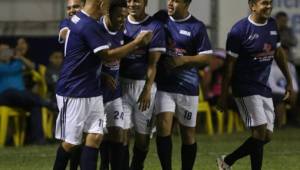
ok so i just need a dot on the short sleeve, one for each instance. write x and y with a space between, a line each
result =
158 42
202 42
64 25
233 43
95 38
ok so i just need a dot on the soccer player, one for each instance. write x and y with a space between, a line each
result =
252 44
138 72
73 6
112 146
177 95
79 95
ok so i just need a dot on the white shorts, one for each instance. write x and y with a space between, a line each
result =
114 115
256 110
78 115
185 107
142 121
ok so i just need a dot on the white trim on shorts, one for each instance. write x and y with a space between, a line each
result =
78 116
256 110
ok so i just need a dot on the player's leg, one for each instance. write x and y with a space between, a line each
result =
165 109
143 122
115 124
264 134
89 154
186 114
252 111
93 127
126 142
75 157
140 150
63 155
67 129
104 153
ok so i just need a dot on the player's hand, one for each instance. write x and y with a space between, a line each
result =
289 95
109 81
222 103
177 61
144 100
144 38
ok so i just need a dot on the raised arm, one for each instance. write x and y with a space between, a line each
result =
117 53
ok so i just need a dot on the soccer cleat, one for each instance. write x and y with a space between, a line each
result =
222 164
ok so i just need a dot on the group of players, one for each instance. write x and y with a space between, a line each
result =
123 68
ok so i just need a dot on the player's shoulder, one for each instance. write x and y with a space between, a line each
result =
154 22
272 21
82 20
239 26
64 23
196 22
161 15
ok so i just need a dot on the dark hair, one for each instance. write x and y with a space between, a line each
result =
188 1
251 1
280 14
116 3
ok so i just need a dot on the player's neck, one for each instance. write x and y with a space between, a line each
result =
92 12
137 18
109 24
180 16
257 19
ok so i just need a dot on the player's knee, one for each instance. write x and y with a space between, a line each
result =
93 140
268 137
142 141
188 135
164 125
259 132
67 146
116 134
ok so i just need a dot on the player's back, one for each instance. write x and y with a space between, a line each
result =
78 76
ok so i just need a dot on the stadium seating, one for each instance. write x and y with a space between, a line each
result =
47 117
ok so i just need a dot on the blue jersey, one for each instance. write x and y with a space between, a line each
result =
115 40
254 46
64 24
135 65
186 37
78 76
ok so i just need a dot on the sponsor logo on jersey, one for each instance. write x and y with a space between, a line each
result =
184 32
273 32
253 36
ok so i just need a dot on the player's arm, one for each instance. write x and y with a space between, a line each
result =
145 96
63 30
196 60
62 35
281 60
117 53
202 45
230 62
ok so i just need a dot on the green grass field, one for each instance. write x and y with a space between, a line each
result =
283 153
